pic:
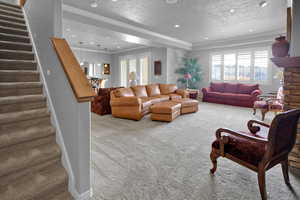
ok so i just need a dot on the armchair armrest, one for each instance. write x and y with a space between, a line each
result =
126 101
183 93
224 139
256 93
239 134
206 90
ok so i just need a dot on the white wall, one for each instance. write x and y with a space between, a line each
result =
73 118
204 56
174 61
95 57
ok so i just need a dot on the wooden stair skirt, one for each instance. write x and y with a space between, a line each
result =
291 90
30 159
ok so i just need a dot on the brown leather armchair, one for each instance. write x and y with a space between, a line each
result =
135 102
257 149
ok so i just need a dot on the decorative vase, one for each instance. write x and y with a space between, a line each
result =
280 47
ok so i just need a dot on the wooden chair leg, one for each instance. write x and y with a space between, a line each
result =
262 183
263 114
254 111
214 156
285 171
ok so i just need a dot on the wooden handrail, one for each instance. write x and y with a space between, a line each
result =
22 2
81 87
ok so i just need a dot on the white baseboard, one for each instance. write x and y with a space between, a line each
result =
83 196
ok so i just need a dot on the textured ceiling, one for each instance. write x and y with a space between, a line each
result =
199 20
91 37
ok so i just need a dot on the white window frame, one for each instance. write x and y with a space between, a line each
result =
236 51
137 57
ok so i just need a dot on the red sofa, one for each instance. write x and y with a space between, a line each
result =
235 94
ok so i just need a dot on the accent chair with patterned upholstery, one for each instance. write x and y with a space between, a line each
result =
261 147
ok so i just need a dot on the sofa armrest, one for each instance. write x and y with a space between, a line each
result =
206 90
183 93
256 93
126 101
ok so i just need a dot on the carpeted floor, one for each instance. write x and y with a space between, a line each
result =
148 160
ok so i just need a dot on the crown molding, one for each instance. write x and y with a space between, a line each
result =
266 37
90 50
119 26
129 49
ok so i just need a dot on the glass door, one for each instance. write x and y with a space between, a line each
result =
144 70
124 74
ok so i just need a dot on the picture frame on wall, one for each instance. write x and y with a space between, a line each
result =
106 69
157 68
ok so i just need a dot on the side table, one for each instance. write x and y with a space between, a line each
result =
194 94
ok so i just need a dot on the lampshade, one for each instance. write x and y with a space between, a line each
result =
132 76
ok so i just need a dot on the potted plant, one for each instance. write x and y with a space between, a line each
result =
191 73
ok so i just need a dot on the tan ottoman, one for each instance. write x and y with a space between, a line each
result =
165 111
187 105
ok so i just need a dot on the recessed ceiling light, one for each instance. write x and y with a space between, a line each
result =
114 0
251 30
94 4
172 1
68 29
118 47
73 36
92 43
232 10
263 4
205 38
176 26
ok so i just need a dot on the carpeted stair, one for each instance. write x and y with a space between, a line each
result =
30 159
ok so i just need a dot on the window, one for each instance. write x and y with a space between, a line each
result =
241 66
123 64
229 67
216 67
244 66
144 68
135 63
95 70
261 65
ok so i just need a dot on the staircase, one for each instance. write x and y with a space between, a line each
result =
30 159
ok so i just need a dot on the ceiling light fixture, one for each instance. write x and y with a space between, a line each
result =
73 36
92 43
68 29
263 4
118 47
176 26
206 38
232 10
94 4
251 30
114 0
172 1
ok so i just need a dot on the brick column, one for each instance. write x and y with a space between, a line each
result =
291 90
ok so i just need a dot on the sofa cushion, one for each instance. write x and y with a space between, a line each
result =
146 103
153 90
243 149
247 88
214 94
234 96
175 96
217 87
166 89
231 87
140 91
124 92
